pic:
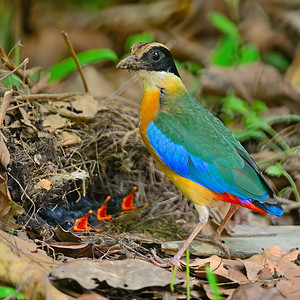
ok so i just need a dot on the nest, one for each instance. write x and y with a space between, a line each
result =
110 158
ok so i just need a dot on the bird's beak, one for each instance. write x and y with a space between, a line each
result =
130 63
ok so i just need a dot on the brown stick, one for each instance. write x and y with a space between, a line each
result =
57 96
4 106
12 67
73 53
25 62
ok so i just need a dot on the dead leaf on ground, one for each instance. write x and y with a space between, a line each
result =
226 270
55 121
253 291
127 274
27 250
4 154
45 184
6 203
91 296
83 107
272 262
71 249
16 271
69 139
66 236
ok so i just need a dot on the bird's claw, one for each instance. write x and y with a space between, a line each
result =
156 260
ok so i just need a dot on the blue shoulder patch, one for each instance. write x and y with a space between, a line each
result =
185 164
177 158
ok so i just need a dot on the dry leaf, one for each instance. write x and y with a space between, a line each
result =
6 203
289 288
4 154
45 184
70 138
226 270
65 236
55 121
275 259
253 291
83 107
16 271
127 274
72 249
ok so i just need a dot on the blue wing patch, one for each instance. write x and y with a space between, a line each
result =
185 164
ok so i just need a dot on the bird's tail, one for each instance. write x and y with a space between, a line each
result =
272 209
269 206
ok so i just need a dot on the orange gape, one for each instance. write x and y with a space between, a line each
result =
81 224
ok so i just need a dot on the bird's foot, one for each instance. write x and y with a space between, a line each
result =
216 242
156 260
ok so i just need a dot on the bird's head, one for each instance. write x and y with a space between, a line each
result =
149 57
154 64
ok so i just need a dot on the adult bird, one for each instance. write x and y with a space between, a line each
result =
192 147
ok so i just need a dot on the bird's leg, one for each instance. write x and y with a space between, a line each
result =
203 218
233 208
216 236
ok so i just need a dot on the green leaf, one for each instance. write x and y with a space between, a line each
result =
192 67
213 283
250 134
252 120
222 23
178 64
225 52
67 66
259 106
274 170
277 60
283 192
249 53
235 104
8 292
139 37
11 81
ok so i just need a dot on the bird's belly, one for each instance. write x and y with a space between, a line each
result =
195 192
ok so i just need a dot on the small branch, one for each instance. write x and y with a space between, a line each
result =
25 62
57 96
73 53
4 105
12 67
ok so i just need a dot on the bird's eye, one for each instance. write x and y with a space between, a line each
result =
156 56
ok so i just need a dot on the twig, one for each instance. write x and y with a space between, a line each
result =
4 106
12 67
25 62
73 53
58 96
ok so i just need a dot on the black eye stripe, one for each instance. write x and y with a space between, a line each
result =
164 62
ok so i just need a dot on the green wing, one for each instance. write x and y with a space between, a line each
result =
197 145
